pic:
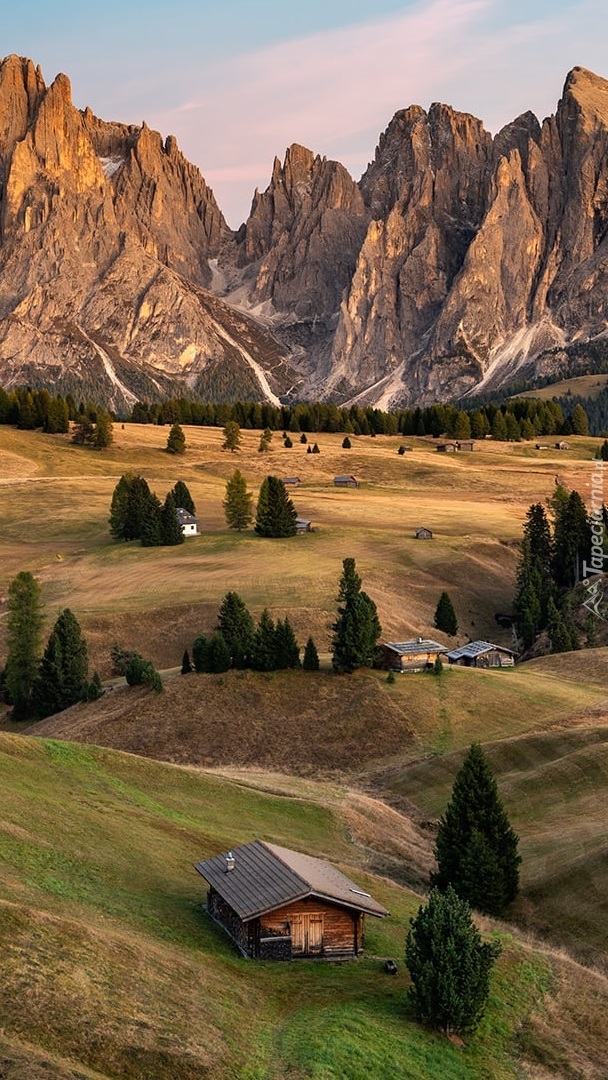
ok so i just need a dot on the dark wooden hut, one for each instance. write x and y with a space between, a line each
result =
278 904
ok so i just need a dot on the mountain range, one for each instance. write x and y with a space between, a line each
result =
457 264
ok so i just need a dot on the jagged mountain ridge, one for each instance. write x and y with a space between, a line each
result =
458 260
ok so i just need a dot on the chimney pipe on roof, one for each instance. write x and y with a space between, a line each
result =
229 862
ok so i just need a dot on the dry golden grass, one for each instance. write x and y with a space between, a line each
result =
55 500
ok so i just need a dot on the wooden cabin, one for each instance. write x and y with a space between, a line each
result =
346 481
465 444
277 904
482 654
423 534
447 448
292 481
417 655
303 525
562 446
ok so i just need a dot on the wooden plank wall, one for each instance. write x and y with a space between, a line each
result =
338 924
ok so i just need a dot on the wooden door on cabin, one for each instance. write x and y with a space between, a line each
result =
306 934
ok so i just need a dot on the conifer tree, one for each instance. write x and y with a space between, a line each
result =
572 540
580 423
232 436
176 440
83 431
263 657
558 633
476 847
499 427
449 965
287 652
287 443
311 656
151 534
276 514
357 627
346 443
119 508
138 499
24 631
186 665
142 672
170 527
303 438
94 690
237 503
183 498
237 628
445 616
103 435
217 654
265 440
199 653
62 677
315 449
462 426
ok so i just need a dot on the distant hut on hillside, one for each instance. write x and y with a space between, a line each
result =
188 521
423 534
447 448
481 654
303 525
278 904
417 655
346 481
465 444
292 481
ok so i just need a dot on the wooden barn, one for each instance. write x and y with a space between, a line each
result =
423 534
417 655
303 525
278 904
447 448
465 444
482 654
346 481
292 481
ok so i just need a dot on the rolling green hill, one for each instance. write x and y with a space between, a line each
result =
110 968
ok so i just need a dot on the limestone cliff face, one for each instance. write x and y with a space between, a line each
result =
457 262
106 233
482 254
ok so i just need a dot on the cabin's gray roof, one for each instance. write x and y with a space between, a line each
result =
423 528
476 648
185 517
303 521
419 645
266 876
349 477
292 480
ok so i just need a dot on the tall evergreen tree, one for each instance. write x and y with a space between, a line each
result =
276 515
183 497
499 426
558 632
138 499
186 664
84 431
237 628
476 847
24 631
449 965
217 659
237 503
232 436
287 652
119 530
103 435
572 540
62 677
263 656
445 616
199 653
265 440
170 528
176 440
151 534
311 656
357 627
580 423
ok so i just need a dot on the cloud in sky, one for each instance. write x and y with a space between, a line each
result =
335 91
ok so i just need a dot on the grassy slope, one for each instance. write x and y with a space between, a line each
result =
108 962
55 500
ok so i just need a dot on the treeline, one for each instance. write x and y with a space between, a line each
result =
556 555
513 420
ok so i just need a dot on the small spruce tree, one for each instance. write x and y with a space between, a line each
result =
357 627
176 440
445 616
232 436
263 656
346 443
62 676
287 652
237 628
276 515
183 497
170 528
449 964
24 637
237 503
186 665
311 656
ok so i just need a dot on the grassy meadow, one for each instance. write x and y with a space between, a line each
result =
110 967
54 522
